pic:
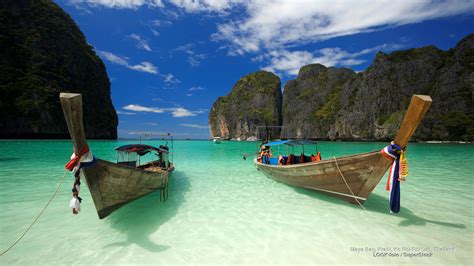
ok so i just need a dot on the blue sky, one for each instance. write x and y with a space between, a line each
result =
169 60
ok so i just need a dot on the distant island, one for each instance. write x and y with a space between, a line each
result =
43 52
331 103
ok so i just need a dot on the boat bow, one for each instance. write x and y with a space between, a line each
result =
351 178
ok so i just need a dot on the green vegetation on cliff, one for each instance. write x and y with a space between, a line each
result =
255 100
330 106
460 126
311 102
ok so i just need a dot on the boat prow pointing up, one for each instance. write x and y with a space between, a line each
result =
351 178
113 185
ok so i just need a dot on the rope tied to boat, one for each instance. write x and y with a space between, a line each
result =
75 203
398 172
37 217
347 185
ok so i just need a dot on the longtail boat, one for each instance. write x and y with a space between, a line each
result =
112 185
350 178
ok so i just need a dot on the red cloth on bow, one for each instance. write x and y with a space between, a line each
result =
77 157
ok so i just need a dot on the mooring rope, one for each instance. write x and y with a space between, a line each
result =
343 178
37 217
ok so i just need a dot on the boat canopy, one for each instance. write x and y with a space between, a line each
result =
276 143
140 149
291 142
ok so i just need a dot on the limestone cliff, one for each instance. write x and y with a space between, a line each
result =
42 53
337 103
255 100
310 102
370 105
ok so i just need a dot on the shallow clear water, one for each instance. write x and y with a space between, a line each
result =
221 210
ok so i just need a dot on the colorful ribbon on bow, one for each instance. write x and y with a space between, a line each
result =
76 158
394 152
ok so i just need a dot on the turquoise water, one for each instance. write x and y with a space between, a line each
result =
221 210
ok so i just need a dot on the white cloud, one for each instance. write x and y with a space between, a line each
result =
278 24
170 79
186 48
193 6
141 43
182 112
120 4
193 89
125 113
80 7
289 62
139 108
145 67
194 59
119 60
151 124
266 26
123 61
175 111
160 23
196 88
148 133
194 126
258 58
155 33
154 24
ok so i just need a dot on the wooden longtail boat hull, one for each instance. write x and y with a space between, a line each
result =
111 185
362 172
